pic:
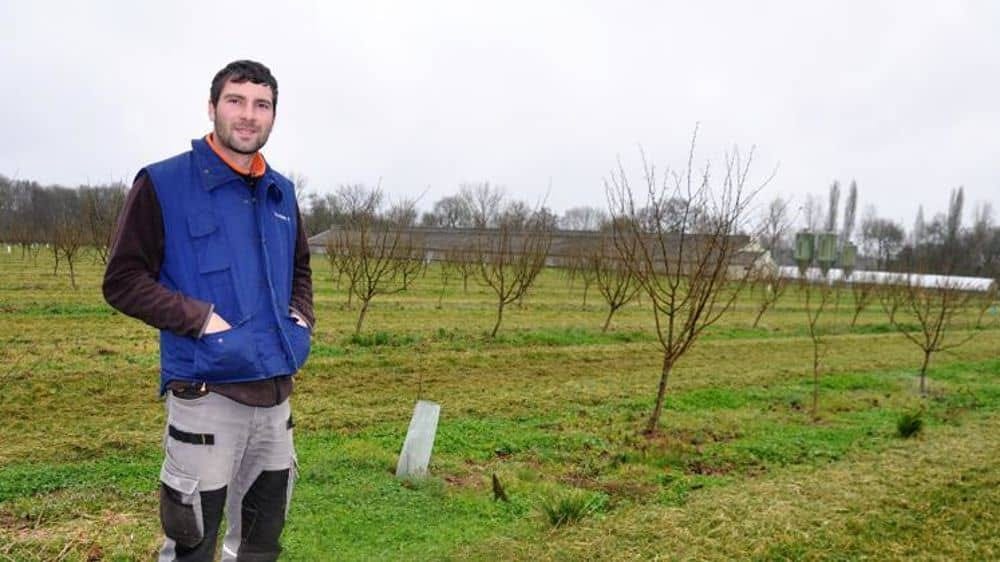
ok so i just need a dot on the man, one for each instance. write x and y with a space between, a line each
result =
210 249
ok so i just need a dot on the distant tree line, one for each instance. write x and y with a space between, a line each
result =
61 219
942 244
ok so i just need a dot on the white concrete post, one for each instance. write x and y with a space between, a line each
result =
416 453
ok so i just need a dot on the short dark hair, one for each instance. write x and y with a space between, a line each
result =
243 71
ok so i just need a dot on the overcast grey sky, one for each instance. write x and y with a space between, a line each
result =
901 96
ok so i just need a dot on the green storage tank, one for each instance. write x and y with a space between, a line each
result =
826 251
804 248
847 258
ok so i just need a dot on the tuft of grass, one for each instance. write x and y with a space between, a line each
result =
382 339
910 424
563 507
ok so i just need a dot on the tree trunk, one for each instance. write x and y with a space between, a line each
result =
760 314
72 273
654 419
923 373
607 321
496 326
586 287
854 320
815 408
361 316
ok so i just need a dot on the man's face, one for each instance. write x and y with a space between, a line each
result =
244 116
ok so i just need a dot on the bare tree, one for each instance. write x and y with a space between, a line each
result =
343 261
880 238
446 270
979 246
7 206
812 212
817 297
465 261
685 272
864 294
320 212
774 223
771 287
484 202
984 302
926 315
615 280
580 266
452 211
301 184
583 218
382 248
510 259
69 231
101 207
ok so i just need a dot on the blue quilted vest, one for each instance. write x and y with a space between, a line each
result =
234 247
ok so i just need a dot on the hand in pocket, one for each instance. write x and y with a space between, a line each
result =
216 324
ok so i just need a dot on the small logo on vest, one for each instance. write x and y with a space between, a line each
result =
282 217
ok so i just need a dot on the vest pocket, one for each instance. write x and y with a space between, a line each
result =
299 338
218 277
227 353
214 268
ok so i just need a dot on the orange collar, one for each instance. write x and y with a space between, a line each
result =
257 164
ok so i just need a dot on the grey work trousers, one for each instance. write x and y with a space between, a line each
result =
220 455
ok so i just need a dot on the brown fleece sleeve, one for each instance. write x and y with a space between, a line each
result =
302 293
131 279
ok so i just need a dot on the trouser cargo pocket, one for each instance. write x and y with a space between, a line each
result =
180 507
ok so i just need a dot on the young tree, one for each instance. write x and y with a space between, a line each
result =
772 286
69 230
101 207
614 279
864 294
510 258
985 302
580 266
818 295
926 315
381 247
684 268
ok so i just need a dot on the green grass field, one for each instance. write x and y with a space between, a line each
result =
552 406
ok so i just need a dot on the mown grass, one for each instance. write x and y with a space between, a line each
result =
552 406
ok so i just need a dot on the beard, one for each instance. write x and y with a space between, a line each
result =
226 135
